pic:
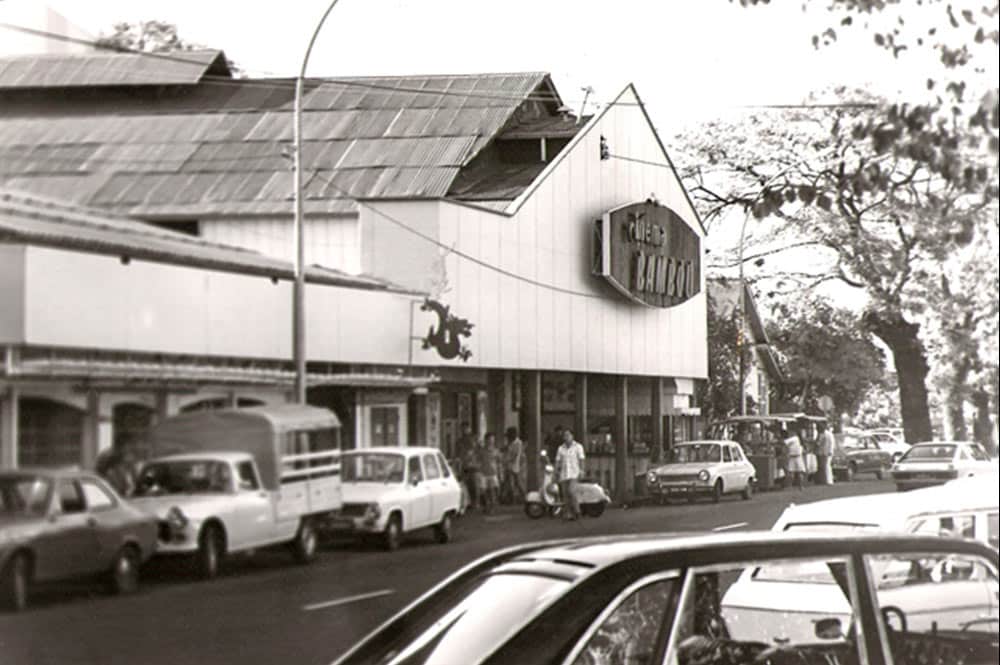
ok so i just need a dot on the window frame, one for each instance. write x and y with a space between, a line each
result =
727 451
239 476
74 483
617 601
430 463
443 463
112 501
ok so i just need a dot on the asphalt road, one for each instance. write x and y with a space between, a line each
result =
265 610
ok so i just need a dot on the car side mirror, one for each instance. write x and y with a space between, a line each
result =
829 629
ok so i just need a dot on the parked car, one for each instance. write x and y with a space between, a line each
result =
892 444
240 480
860 453
659 599
59 524
702 468
933 463
392 491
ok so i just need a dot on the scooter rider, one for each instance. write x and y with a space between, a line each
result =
569 467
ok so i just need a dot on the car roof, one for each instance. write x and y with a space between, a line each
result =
705 548
208 456
943 443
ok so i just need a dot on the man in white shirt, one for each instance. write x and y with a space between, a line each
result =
569 468
826 446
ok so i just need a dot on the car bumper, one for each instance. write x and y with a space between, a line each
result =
346 525
664 488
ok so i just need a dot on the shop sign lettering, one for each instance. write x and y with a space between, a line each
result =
648 253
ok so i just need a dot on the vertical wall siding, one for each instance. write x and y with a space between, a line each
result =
333 242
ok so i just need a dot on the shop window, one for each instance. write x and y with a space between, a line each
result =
50 433
385 425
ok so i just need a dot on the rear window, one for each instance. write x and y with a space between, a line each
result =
929 453
473 626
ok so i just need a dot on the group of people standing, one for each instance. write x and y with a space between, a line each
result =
795 454
492 473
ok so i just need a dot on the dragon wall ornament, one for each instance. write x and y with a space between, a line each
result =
446 337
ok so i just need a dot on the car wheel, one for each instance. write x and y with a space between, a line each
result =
442 530
211 549
748 490
15 583
393 534
849 472
534 510
124 573
717 491
592 509
306 542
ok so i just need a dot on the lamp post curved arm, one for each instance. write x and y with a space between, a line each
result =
298 291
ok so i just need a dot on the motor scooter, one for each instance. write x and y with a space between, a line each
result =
591 496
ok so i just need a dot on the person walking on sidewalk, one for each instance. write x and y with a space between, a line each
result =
489 473
514 463
471 473
826 446
569 468
796 460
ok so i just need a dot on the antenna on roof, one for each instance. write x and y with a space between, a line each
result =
587 92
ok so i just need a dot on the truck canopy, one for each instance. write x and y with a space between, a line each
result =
266 432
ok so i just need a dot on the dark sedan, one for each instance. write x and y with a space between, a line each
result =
860 453
57 524
674 600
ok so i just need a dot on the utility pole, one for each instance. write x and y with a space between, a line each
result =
299 289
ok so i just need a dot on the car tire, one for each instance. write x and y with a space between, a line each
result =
442 530
850 471
592 509
748 490
15 583
534 510
123 578
306 542
393 533
211 550
717 491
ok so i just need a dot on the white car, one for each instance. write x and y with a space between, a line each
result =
705 468
934 463
939 588
390 491
890 443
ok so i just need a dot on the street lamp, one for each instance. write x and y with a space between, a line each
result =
299 289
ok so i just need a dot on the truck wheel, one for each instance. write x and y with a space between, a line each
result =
534 510
123 578
442 530
211 549
393 534
717 491
15 582
305 544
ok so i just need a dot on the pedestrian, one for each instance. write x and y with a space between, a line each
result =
569 468
117 466
466 441
796 459
514 463
826 447
471 475
489 473
553 442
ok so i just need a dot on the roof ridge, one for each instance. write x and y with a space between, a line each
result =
106 52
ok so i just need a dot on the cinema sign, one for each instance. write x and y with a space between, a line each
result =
648 253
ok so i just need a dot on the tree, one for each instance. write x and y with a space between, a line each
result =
824 352
719 396
888 221
153 37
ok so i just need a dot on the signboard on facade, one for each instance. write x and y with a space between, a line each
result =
648 253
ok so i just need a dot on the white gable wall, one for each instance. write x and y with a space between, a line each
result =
548 240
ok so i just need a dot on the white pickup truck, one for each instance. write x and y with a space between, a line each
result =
236 480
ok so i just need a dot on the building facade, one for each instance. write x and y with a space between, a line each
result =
565 249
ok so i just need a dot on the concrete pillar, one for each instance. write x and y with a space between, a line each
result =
496 385
9 415
657 414
580 420
531 406
232 400
622 487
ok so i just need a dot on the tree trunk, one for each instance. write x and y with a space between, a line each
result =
956 398
908 355
982 427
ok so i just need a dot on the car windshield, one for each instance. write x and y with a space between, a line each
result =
184 477
469 628
697 452
929 453
24 496
372 467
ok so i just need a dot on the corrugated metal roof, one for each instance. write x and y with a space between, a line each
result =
26 218
198 151
109 69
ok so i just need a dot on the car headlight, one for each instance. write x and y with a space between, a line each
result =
651 477
177 520
372 513
704 475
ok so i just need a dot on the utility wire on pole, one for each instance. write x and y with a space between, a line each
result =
299 290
